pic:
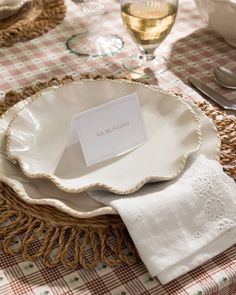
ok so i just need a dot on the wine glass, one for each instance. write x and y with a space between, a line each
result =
89 41
148 22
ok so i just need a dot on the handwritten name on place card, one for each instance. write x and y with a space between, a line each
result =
110 129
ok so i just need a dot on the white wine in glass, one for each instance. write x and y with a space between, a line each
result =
148 23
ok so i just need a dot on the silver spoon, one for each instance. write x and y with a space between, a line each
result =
225 77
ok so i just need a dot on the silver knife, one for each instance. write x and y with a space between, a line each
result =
212 94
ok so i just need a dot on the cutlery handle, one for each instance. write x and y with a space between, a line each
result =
212 94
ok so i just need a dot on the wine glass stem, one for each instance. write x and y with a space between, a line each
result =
147 54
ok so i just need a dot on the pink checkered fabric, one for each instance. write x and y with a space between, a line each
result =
192 48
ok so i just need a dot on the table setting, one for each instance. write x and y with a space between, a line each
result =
117 148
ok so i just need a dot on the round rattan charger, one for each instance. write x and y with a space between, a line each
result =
33 20
38 231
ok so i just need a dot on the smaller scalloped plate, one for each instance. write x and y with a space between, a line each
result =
10 7
37 138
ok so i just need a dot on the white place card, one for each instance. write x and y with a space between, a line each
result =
109 130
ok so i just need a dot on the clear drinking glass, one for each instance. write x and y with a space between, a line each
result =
92 40
148 23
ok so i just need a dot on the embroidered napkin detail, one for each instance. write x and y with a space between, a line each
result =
179 225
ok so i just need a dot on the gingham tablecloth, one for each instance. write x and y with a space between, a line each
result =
192 49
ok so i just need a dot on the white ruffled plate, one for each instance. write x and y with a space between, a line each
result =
10 7
43 192
37 138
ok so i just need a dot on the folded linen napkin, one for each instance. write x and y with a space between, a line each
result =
178 225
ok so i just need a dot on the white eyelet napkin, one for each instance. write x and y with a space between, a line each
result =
178 225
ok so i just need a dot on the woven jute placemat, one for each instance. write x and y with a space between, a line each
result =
40 231
32 20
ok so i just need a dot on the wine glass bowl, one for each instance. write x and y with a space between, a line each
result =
92 39
148 23
90 7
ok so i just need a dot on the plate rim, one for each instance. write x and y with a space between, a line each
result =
100 185
12 9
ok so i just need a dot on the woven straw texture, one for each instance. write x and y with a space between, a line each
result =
43 230
31 21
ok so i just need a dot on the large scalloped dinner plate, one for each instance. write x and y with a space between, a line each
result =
38 134
80 205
